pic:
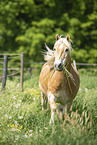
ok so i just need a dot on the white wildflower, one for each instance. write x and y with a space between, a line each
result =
6 115
4 136
0 108
25 136
30 130
13 129
30 135
16 122
14 97
86 90
10 117
17 105
16 138
20 117
80 89
20 101
18 85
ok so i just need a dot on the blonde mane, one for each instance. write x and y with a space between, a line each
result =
49 54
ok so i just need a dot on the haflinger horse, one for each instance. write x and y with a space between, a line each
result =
59 80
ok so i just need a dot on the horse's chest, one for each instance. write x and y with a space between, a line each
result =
57 82
58 86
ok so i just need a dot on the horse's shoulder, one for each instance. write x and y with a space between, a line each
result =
47 66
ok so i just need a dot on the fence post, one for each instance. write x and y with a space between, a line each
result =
74 64
21 73
4 72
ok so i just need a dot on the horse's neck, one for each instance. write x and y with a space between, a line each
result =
69 66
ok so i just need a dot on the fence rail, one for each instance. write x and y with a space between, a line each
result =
11 68
13 57
10 75
9 54
34 62
20 70
87 64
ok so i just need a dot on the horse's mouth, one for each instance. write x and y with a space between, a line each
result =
58 68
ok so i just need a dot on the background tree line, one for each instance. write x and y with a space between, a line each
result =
25 25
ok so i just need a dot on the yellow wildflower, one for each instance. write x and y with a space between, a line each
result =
38 95
12 125
8 125
21 126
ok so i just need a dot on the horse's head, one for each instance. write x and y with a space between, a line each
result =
62 53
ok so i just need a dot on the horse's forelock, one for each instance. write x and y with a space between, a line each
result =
62 40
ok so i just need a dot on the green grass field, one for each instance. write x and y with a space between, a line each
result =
23 122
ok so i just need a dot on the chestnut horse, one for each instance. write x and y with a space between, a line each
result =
59 80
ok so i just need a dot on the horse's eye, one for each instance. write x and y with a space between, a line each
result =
66 50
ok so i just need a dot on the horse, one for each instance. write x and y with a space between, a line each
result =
58 81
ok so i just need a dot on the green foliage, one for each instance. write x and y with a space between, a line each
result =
80 55
93 52
27 24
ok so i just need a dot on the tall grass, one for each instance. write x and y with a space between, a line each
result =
22 120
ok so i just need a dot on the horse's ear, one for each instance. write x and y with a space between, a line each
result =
57 37
68 38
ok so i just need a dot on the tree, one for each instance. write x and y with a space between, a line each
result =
27 24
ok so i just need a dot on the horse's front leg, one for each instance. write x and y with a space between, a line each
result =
51 100
44 101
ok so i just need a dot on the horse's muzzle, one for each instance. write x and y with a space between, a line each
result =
58 67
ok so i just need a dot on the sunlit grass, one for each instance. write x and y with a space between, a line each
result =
22 120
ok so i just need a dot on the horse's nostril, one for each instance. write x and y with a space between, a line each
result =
60 66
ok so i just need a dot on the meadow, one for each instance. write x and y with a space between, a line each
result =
22 120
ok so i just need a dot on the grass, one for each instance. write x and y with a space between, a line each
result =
23 122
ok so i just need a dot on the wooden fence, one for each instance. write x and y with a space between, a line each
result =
5 64
75 64
9 56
